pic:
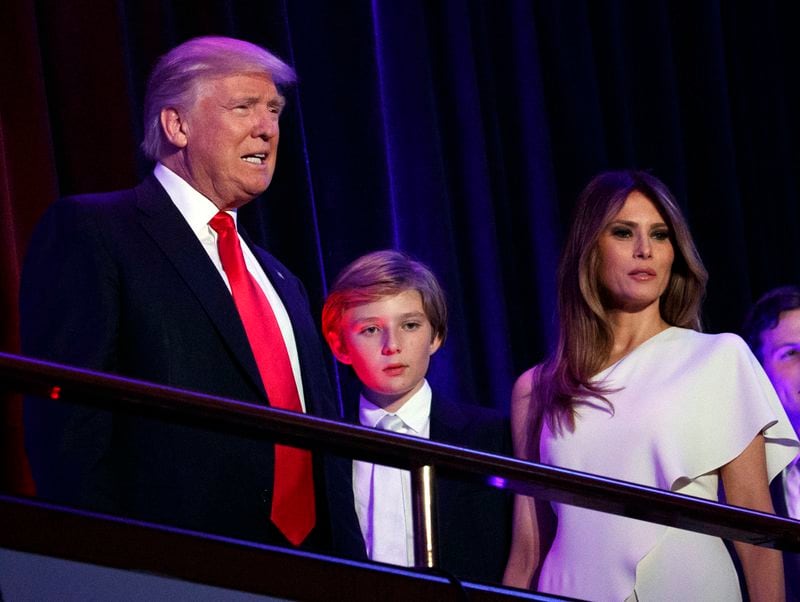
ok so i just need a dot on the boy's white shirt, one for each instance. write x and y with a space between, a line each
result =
415 414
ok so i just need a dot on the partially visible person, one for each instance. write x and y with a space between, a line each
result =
772 329
161 283
385 316
633 391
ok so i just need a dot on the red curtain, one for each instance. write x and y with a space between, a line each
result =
27 186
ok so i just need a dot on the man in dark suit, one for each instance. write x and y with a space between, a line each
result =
157 284
772 329
385 316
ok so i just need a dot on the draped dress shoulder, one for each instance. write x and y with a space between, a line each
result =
685 404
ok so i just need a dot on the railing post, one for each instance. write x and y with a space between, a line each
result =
423 492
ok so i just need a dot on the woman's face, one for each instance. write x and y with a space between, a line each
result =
636 255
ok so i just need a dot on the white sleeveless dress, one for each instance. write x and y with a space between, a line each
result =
691 403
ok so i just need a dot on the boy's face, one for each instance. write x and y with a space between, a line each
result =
389 343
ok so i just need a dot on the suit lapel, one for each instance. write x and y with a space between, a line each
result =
166 226
448 422
448 425
791 561
778 499
282 282
286 285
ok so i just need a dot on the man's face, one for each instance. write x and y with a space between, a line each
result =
780 349
389 343
231 135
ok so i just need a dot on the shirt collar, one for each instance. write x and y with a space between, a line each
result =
415 412
196 209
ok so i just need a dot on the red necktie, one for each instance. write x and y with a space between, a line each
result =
293 498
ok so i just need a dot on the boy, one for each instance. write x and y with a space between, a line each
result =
386 316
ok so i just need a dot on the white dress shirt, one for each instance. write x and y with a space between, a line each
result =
791 489
415 414
198 210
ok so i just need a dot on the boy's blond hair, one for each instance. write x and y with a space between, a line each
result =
383 274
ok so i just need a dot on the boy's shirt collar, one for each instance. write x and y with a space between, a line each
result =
415 412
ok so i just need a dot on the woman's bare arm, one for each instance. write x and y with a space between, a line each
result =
746 485
525 540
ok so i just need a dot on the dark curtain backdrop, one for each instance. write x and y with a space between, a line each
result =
459 131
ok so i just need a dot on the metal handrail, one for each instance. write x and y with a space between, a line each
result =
528 478
52 531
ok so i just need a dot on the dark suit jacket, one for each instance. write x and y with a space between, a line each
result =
791 562
474 520
118 282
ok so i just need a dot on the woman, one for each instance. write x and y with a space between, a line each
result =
635 392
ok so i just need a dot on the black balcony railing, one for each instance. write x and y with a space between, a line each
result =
546 482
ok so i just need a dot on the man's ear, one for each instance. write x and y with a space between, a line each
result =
174 127
339 349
